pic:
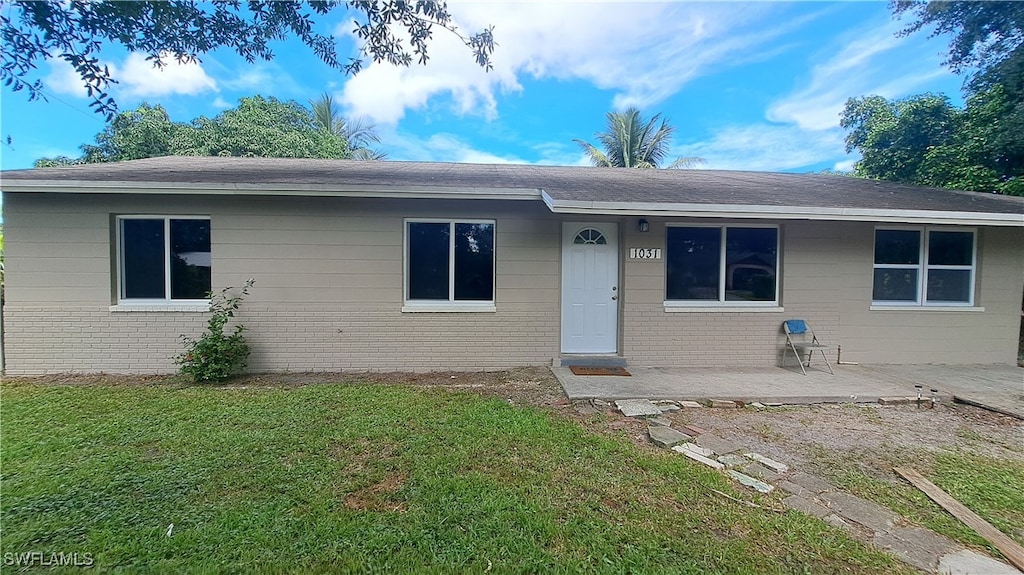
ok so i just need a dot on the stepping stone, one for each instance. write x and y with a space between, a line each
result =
811 483
790 487
666 436
689 404
600 403
659 421
761 472
666 406
694 448
779 467
637 407
916 546
757 405
867 513
722 403
751 482
967 562
807 506
731 460
698 458
717 444
837 521
694 430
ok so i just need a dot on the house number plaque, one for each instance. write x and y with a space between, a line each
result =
645 253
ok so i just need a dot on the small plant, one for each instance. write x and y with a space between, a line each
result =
216 355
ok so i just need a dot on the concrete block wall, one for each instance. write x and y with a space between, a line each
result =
328 294
826 277
707 337
933 336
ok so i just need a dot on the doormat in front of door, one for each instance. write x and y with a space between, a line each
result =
587 370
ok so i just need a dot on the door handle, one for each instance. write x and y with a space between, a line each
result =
615 297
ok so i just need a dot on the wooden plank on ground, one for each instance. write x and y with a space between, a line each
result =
1007 546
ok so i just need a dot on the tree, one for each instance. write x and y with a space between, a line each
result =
893 137
984 34
632 142
258 126
359 133
262 127
925 140
393 31
145 132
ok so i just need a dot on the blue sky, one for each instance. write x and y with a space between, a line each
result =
755 86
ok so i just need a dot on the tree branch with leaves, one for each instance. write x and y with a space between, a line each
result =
392 31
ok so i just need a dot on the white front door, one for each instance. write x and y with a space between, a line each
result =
590 284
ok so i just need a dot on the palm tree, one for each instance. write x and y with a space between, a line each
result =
359 133
630 142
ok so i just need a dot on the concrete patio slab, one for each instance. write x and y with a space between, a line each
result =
997 387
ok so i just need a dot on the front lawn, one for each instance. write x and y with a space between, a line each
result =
338 477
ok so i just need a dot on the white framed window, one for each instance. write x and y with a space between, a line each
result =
163 259
924 266
449 265
722 265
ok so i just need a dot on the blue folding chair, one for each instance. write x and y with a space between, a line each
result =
801 339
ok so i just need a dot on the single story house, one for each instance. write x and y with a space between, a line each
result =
421 266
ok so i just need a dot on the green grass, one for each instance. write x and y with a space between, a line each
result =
336 477
991 487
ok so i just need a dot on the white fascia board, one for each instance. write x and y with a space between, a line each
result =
781 212
242 189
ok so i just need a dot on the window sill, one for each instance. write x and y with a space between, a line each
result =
161 307
449 308
680 307
958 308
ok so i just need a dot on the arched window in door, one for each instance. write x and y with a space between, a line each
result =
590 236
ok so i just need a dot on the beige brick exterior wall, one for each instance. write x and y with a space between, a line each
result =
826 279
329 277
328 293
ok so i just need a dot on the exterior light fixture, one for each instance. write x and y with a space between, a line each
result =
643 225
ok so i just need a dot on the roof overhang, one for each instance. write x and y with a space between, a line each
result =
242 189
560 206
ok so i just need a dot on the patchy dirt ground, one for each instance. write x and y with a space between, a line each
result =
795 434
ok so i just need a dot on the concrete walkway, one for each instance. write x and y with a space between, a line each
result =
861 518
996 387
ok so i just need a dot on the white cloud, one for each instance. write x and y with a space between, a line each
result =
220 103
868 60
140 78
765 147
845 165
440 147
803 130
645 52
446 147
63 79
137 77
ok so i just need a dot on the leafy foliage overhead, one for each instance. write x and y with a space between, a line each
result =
393 31
983 34
925 140
632 142
263 127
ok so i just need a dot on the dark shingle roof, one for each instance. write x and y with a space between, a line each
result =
562 184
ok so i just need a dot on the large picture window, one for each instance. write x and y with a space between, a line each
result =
163 258
931 266
449 262
731 265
